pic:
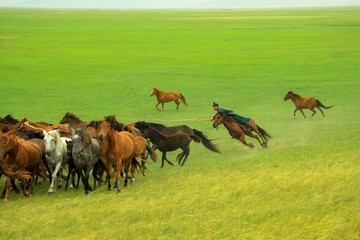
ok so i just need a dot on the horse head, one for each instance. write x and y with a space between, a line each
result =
153 92
7 142
51 138
218 120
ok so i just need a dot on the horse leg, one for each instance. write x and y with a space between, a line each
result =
87 174
250 134
256 129
180 156
5 193
177 104
118 170
83 178
311 109
165 159
302 113
54 178
320 111
186 154
242 139
14 187
162 106
158 107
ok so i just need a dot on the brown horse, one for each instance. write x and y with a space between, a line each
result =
167 143
21 159
116 147
75 123
305 103
25 123
237 132
163 97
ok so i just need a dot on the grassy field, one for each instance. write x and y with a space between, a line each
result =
95 63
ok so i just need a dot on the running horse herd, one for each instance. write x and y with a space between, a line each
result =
36 151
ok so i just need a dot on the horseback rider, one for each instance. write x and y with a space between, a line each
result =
243 121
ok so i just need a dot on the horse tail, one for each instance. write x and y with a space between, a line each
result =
182 98
136 165
264 133
318 103
152 153
19 174
206 142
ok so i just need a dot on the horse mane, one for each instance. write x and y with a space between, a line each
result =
85 136
228 118
143 125
296 95
10 119
114 123
71 115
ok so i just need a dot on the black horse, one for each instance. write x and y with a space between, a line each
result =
142 126
167 143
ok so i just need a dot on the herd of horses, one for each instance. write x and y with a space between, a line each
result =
33 150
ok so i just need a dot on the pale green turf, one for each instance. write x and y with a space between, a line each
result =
100 62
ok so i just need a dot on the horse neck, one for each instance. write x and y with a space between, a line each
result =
156 135
229 124
15 150
294 98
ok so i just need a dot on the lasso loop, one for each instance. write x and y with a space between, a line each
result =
143 114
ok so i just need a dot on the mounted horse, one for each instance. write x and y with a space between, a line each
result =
167 143
305 103
56 155
237 132
86 154
116 147
21 159
163 97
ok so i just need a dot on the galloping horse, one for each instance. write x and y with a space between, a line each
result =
25 123
167 143
75 122
56 155
163 97
86 153
142 126
116 147
305 103
21 159
236 131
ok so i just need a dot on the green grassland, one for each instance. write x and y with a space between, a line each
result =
95 63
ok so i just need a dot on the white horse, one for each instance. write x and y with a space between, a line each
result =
56 155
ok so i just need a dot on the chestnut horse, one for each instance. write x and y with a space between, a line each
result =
116 147
21 159
163 97
305 103
236 131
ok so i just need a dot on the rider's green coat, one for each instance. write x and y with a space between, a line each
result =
238 118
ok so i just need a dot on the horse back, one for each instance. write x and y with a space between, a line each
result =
125 144
35 151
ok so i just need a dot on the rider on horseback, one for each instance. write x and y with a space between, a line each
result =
243 121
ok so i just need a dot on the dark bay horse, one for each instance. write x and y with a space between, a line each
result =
237 132
207 143
305 103
116 147
21 159
163 97
167 143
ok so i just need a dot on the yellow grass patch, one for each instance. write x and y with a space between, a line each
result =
6 37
